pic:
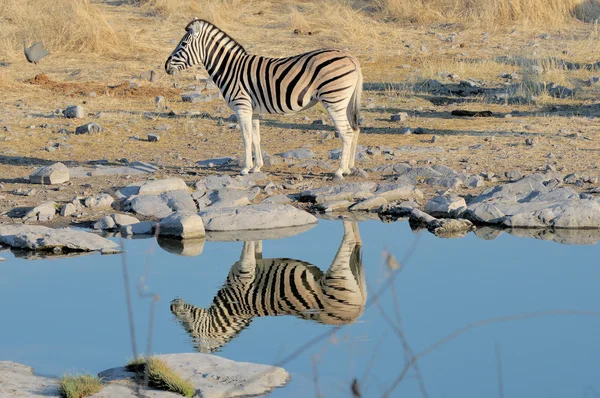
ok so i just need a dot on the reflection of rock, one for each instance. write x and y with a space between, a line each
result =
37 237
182 247
564 236
212 377
24 254
488 233
279 286
264 234
18 380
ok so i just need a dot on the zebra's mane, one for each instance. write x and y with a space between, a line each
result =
189 26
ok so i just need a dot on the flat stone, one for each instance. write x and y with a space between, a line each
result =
253 217
182 225
89 128
133 168
160 186
68 210
452 182
419 149
445 206
153 137
300 153
18 380
212 376
37 237
105 223
399 117
162 205
340 205
74 112
42 212
475 182
370 204
484 213
139 228
394 192
421 217
56 173
351 191
124 219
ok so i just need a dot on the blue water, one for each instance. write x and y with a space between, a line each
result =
70 314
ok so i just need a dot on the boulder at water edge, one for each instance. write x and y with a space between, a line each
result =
253 217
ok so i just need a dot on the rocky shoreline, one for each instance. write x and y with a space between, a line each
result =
437 198
211 376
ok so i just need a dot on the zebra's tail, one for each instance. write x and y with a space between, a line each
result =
353 110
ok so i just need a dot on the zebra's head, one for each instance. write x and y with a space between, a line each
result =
187 52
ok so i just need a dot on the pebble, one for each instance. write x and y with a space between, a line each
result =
153 137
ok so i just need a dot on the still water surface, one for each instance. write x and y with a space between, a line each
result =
533 305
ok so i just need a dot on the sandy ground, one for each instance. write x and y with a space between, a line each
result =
564 131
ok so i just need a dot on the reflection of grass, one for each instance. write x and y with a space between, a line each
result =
160 376
79 386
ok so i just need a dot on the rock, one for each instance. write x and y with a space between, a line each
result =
160 186
18 380
475 182
398 192
370 204
421 217
124 219
514 175
311 164
37 237
214 162
68 210
162 205
261 216
399 117
301 153
160 103
420 149
349 191
56 173
182 225
42 212
153 137
231 197
358 172
89 128
139 228
74 112
329 207
450 228
212 377
100 201
105 223
484 213
277 199
452 182
445 206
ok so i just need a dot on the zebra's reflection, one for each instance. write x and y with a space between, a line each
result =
259 286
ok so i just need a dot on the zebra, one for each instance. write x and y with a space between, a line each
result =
254 85
257 287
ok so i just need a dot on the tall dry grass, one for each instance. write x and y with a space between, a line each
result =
490 12
63 26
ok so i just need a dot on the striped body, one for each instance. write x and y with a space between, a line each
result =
257 287
253 85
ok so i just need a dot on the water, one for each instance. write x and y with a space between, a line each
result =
533 307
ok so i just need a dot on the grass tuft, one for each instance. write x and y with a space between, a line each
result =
79 386
160 376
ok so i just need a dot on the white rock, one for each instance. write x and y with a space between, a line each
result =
139 228
105 223
216 377
261 216
37 237
160 186
124 219
399 192
373 203
349 191
340 205
18 380
42 212
445 206
56 173
74 112
68 210
100 201
182 225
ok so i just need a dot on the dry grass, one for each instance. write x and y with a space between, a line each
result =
64 26
79 386
490 12
160 376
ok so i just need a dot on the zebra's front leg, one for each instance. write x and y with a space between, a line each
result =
258 160
344 168
245 121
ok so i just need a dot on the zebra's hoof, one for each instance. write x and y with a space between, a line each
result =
244 171
255 169
338 177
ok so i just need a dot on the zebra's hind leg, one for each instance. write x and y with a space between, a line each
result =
245 121
258 160
342 126
353 149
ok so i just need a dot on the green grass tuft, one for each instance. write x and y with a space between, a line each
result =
160 376
79 386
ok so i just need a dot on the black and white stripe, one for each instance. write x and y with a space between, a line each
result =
258 287
253 85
